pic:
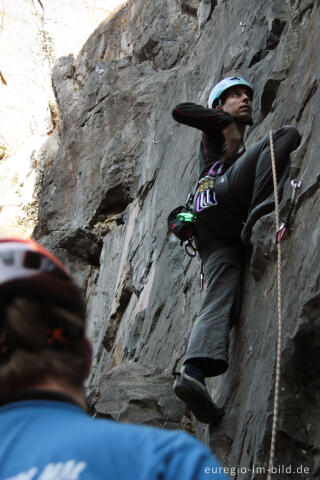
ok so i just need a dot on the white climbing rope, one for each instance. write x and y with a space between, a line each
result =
277 381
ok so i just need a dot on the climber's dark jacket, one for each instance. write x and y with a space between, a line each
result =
211 122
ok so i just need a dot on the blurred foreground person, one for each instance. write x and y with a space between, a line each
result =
44 360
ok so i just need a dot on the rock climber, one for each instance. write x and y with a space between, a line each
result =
242 192
44 358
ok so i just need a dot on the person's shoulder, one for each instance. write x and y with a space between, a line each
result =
153 451
157 438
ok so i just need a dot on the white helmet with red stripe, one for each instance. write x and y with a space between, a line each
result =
28 269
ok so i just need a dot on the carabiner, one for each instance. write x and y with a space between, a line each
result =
189 200
190 249
296 185
281 231
203 203
199 209
214 198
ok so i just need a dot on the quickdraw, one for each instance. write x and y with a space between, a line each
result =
285 223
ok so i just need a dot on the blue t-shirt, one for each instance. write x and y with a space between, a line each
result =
56 440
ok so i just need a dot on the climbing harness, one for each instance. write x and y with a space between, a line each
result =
182 219
280 231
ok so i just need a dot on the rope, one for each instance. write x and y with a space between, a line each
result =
277 381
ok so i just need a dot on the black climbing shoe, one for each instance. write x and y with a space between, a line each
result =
259 211
196 396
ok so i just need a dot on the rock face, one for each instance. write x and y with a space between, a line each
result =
123 164
139 394
33 34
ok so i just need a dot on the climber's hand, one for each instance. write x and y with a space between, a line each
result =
232 140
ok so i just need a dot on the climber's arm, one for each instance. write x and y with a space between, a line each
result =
209 120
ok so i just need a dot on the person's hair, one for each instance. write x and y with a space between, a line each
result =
225 94
40 341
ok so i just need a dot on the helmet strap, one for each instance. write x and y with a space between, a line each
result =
219 104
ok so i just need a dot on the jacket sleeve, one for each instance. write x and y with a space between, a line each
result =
208 120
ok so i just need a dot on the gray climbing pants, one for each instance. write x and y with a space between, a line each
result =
209 339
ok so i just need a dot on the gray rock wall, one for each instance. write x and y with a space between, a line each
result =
28 137
123 164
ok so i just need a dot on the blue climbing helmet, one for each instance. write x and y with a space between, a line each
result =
223 86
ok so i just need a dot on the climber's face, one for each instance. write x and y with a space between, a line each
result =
238 103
